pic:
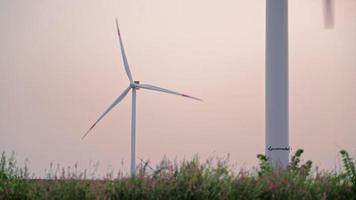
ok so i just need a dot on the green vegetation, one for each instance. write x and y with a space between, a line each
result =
212 179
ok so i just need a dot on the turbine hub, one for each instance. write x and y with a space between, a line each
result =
134 85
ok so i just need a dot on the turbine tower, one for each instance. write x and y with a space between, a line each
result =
277 135
134 86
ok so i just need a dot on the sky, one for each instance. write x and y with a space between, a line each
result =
60 68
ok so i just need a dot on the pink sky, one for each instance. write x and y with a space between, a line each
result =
60 68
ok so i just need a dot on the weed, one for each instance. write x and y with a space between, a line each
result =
189 179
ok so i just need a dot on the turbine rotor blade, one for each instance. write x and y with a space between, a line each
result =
159 89
126 64
328 8
118 99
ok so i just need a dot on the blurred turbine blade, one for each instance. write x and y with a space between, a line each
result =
329 15
126 64
155 88
118 99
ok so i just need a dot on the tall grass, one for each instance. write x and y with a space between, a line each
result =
189 179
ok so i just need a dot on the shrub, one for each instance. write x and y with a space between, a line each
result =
189 179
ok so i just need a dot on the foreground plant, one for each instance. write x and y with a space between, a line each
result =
189 179
349 168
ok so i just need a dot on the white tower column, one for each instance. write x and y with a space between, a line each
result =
133 133
277 139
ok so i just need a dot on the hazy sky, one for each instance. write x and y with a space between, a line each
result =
60 68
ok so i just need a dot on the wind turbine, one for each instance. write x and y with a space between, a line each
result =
133 85
277 126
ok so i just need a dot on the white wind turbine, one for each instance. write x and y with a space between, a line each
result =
277 126
134 85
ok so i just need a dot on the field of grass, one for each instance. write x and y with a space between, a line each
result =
193 179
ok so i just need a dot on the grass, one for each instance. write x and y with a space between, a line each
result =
193 179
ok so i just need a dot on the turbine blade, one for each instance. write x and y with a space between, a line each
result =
118 99
155 88
126 64
328 6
